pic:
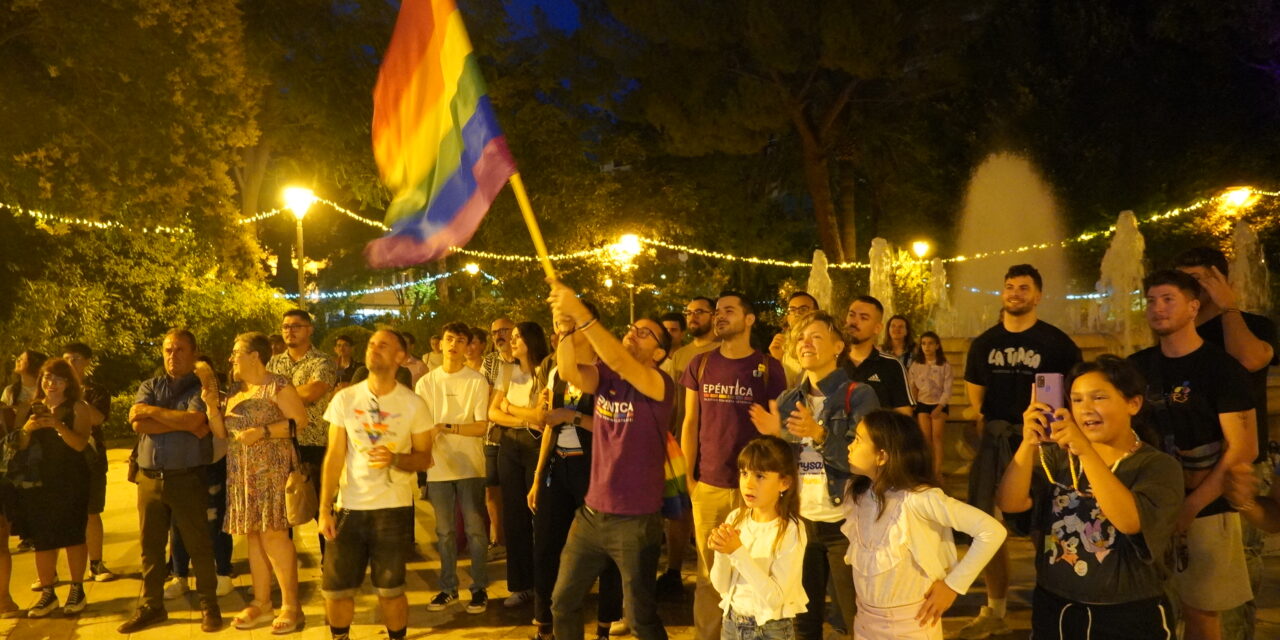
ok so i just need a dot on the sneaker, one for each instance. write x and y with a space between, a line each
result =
670 585
225 586
36 586
175 588
479 602
46 605
442 600
75 600
983 626
518 599
25 545
497 551
620 628
99 572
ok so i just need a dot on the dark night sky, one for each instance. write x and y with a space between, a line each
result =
562 13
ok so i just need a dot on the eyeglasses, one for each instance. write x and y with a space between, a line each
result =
643 332
501 332
696 312
795 311
293 327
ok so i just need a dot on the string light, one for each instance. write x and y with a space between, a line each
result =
49 218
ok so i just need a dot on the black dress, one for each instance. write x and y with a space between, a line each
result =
54 514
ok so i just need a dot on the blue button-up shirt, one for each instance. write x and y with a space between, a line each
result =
175 449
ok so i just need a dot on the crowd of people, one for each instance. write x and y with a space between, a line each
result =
812 486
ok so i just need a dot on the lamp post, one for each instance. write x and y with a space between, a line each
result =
623 253
921 248
298 200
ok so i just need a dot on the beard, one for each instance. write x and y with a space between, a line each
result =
699 331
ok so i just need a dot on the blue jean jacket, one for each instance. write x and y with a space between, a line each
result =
839 422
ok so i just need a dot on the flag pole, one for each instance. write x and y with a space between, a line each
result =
526 209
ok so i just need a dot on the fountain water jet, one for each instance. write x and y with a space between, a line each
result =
819 285
1122 272
882 274
1008 205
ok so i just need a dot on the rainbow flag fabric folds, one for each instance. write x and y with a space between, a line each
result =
435 137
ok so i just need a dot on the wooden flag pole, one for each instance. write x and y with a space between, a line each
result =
526 209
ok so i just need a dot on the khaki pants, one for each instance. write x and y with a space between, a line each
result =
711 505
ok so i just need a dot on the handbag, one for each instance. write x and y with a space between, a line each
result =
300 499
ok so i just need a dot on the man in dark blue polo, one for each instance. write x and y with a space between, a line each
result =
174 444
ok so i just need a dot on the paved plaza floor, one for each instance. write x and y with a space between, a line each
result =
110 603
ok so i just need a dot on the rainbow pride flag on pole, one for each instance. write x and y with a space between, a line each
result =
435 137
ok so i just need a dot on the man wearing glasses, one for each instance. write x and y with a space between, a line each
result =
620 519
720 388
313 374
379 437
800 305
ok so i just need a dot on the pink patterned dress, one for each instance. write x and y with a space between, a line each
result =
256 474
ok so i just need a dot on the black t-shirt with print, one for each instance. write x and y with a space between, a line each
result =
1079 554
1006 363
1265 330
1185 396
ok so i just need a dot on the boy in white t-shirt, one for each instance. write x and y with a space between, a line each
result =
457 400
379 436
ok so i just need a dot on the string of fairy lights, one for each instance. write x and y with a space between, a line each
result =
1234 198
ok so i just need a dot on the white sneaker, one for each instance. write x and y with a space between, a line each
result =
176 588
620 628
225 586
987 624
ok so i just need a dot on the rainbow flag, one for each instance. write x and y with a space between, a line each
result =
435 137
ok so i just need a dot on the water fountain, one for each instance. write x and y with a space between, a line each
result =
1122 271
938 300
819 285
1249 275
1008 206
882 274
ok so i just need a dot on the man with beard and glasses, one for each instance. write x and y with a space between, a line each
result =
313 373
884 374
1000 371
619 519
721 386
1198 401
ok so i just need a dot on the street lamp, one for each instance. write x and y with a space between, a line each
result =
921 248
298 200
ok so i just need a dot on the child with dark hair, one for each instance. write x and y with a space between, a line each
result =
758 549
899 524
1104 504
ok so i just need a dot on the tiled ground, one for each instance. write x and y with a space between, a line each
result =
110 603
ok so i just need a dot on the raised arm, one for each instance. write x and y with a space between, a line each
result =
646 378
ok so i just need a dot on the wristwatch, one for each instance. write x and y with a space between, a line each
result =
577 419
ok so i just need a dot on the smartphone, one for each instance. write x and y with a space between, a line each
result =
1051 390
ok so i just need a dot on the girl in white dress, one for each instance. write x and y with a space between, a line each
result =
759 549
899 525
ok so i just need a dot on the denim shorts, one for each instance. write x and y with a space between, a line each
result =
739 627
378 539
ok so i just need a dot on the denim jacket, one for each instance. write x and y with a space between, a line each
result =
839 423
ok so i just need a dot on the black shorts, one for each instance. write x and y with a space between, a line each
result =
378 539
491 464
928 408
97 482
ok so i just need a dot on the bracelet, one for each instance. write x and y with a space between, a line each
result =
586 324
395 460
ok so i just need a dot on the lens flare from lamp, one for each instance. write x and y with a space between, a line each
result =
298 200
472 268
921 248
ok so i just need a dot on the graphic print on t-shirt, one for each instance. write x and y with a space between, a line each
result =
617 411
1080 534
1014 357
375 423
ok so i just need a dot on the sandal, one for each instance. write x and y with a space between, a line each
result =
246 620
289 621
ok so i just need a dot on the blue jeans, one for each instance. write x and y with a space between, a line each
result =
740 627
469 493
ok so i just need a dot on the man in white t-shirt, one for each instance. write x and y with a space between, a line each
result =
379 436
457 400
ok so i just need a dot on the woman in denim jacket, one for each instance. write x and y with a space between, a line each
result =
818 416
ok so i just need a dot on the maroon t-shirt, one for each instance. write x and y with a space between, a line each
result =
726 390
628 447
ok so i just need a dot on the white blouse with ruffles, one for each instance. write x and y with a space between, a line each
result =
897 557
760 579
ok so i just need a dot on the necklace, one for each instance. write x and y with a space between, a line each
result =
1072 462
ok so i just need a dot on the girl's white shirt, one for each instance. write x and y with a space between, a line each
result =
897 557
759 579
